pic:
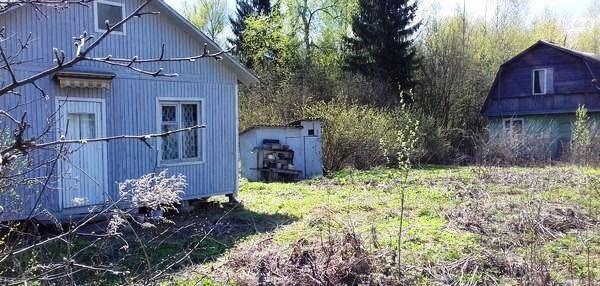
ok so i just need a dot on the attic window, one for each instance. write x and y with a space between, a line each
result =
543 82
113 12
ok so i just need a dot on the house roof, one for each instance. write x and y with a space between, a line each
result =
584 56
299 121
296 124
243 73
274 126
579 54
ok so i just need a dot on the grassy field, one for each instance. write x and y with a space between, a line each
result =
461 226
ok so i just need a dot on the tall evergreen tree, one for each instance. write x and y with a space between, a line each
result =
245 9
382 43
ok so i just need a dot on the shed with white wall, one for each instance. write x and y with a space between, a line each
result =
302 136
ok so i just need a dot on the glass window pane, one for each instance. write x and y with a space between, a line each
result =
87 126
190 144
112 13
169 114
190 115
537 87
73 130
170 144
190 138
81 126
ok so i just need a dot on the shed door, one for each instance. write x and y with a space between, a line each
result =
84 174
313 157
296 145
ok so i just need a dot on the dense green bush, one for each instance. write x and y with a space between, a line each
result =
356 136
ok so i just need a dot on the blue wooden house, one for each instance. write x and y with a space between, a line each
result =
96 100
539 90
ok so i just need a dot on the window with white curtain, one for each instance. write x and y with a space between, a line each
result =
543 81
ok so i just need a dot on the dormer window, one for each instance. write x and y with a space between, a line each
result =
113 12
543 82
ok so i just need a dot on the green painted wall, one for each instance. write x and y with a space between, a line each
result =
553 128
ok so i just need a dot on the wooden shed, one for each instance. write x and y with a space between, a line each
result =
282 152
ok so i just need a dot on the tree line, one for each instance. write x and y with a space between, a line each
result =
315 57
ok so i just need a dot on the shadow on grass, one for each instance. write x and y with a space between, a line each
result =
185 240
210 231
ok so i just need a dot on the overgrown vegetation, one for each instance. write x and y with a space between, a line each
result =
304 53
537 144
581 141
463 225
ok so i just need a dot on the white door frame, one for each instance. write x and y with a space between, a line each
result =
103 129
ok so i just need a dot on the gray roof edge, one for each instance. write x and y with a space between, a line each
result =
255 127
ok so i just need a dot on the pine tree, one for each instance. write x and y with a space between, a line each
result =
245 9
382 45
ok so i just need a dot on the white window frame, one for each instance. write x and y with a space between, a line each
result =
509 130
544 85
102 30
178 102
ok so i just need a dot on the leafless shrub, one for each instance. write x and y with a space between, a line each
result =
549 221
154 191
540 179
337 260
535 144
507 224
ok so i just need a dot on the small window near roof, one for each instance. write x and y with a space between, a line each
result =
112 12
543 82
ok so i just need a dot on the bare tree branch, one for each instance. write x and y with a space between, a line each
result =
6 5
143 138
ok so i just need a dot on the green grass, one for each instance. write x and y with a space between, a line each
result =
370 200
435 230
367 200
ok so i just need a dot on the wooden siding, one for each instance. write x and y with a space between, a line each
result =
512 93
131 102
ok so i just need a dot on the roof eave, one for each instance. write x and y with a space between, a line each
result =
244 75
537 112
